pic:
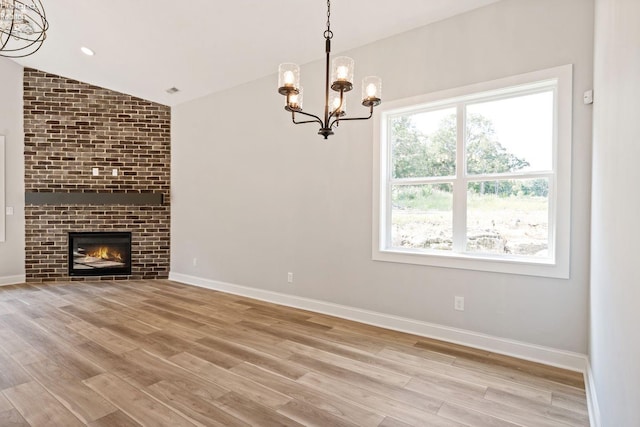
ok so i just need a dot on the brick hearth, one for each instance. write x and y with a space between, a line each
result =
72 127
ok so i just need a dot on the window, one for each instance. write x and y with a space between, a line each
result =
478 177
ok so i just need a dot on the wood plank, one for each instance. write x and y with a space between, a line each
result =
176 309
195 406
282 367
30 355
102 337
392 422
381 374
91 317
515 414
11 373
253 413
74 362
450 388
115 419
423 368
38 407
552 373
59 331
510 374
549 411
349 378
249 338
572 403
171 317
117 317
113 363
149 342
325 400
5 405
230 381
378 403
81 401
136 404
309 415
12 418
169 372
470 417
12 343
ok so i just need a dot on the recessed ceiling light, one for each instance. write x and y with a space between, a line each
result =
87 51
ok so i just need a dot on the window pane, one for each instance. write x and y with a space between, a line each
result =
421 216
509 217
509 135
424 144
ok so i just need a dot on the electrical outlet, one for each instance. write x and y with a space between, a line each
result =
289 277
458 303
195 262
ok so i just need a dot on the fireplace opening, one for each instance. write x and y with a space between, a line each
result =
99 253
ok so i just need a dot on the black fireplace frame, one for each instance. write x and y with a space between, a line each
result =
107 271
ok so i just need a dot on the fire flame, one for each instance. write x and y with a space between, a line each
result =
106 253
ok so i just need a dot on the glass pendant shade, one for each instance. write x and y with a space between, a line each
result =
334 105
371 91
342 73
288 77
295 100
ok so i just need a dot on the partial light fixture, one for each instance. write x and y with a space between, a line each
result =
87 51
341 82
23 27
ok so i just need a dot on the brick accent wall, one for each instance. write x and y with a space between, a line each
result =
72 127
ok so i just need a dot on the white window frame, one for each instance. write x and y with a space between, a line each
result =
558 263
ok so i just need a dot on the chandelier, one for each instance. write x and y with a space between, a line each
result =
341 73
23 26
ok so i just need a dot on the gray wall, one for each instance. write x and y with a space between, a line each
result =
12 249
615 277
255 196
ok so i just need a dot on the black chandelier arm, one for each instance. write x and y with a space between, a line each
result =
332 115
316 119
338 119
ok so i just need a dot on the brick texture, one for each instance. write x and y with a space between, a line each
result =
72 127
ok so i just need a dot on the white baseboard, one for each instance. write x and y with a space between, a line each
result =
592 398
13 280
535 353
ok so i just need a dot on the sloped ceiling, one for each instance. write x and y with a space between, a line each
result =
144 47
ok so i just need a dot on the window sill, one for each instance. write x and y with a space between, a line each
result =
525 267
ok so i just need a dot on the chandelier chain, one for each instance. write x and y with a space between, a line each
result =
328 34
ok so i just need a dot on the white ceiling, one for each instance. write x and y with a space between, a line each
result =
144 47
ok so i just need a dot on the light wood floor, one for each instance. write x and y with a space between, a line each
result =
158 353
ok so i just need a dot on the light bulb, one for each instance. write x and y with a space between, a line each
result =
371 90
288 78
293 101
336 103
342 72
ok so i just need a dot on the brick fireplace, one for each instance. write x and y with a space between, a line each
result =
95 161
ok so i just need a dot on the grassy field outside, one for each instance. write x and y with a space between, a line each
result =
516 224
